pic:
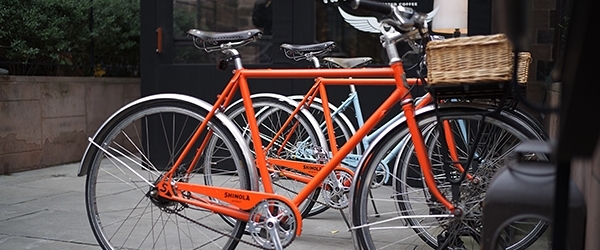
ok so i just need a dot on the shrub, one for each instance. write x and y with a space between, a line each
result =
116 36
53 37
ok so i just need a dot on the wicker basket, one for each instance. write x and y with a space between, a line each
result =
475 59
523 70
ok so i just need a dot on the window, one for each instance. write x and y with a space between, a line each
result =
220 16
332 25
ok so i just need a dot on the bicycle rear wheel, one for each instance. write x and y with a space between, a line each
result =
406 204
134 149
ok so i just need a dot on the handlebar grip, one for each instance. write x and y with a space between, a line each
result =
382 8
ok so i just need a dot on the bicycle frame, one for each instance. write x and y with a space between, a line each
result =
319 88
353 100
245 200
352 160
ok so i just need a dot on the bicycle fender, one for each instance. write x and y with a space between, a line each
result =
90 150
390 127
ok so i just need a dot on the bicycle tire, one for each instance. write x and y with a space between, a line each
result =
118 205
514 236
422 215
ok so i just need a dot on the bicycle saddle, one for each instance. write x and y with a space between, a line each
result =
217 38
298 51
348 63
308 47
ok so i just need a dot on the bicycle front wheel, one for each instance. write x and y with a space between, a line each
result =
133 150
404 213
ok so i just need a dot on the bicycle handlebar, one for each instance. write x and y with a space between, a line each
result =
385 9
400 17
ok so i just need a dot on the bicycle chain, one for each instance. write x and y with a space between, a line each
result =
227 235
221 233
245 241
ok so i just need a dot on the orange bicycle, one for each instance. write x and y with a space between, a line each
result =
170 170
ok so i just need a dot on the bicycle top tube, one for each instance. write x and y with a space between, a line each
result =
314 73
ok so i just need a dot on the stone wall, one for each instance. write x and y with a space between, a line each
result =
45 121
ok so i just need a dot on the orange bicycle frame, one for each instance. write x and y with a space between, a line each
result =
243 200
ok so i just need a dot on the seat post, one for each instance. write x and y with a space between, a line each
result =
235 56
